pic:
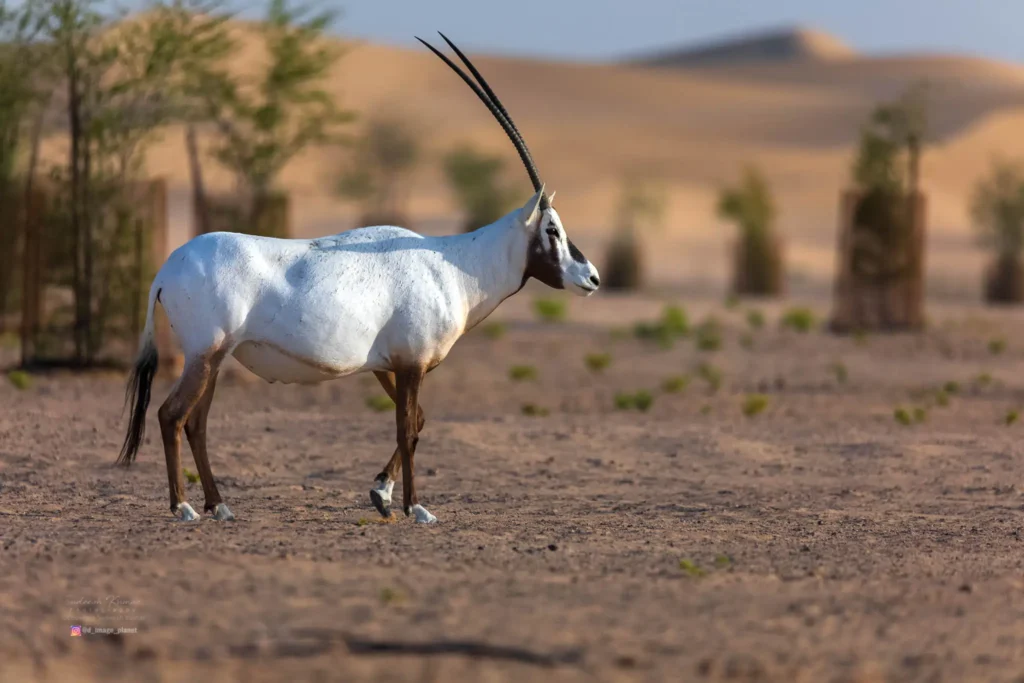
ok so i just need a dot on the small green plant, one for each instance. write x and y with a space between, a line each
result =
672 324
712 376
598 362
522 373
902 415
363 521
799 318
708 335
840 372
951 387
494 330
624 401
534 410
723 561
983 380
942 398
860 337
747 341
754 404
705 409
996 346
675 384
675 321
389 595
618 334
732 301
380 403
920 414
19 379
190 476
551 310
691 569
755 319
1011 417
643 400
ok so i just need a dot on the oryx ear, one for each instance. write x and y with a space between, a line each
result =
551 198
531 209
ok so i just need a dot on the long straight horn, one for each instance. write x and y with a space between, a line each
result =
496 109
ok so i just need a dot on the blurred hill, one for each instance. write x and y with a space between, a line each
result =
688 127
788 44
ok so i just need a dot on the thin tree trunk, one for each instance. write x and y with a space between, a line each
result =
74 162
200 205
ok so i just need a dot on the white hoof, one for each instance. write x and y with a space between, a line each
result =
380 496
222 514
186 513
422 516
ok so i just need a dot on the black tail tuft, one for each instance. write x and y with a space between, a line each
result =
137 394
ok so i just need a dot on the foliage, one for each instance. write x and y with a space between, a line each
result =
495 330
598 362
675 384
190 476
377 176
522 373
691 569
19 379
799 319
751 207
641 208
712 376
708 335
551 310
754 404
997 208
380 403
672 324
475 177
755 319
534 410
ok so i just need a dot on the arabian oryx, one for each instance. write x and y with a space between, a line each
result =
379 299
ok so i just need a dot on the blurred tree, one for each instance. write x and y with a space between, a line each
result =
758 266
262 125
378 175
997 209
641 208
476 179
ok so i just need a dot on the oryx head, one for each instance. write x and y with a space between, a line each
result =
551 258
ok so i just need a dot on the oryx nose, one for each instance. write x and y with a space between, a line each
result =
596 280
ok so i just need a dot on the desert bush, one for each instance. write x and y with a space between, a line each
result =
522 373
377 177
190 476
19 379
758 264
708 335
675 384
641 208
643 400
839 371
475 177
799 319
380 403
551 310
494 330
754 404
672 324
711 375
1011 417
597 362
534 410
996 346
755 319
691 569
997 209
902 416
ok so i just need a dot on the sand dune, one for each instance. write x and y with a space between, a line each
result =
689 129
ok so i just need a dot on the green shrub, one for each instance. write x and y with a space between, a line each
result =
951 387
522 373
534 410
675 384
755 319
1011 417
708 335
551 310
598 362
190 476
840 372
624 401
380 403
643 400
920 414
675 321
754 404
691 569
902 415
941 398
996 346
799 318
20 379
747 341
494 330
711 375
983 380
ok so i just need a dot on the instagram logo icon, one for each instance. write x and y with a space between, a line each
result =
76 630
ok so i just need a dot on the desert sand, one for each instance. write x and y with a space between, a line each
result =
819 540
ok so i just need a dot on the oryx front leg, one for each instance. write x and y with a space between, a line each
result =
384 483
406 414
173 415
195 431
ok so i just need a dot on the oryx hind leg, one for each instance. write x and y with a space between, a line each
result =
188 391
384 483
195 431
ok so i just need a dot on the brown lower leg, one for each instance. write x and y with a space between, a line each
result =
172 416
394 466
406 413
195 431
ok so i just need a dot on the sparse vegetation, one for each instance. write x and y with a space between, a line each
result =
942 398
799 318
984 379
951 387
996 346
675 384
475 177
19 379
997 209
377 175
641 209
708 335
712 376
754 404
643 400
672 324
380 403
190 476
723 561
920 414
758 263
389 596
1011 417
755 319
691 568
902 416
534 410
839 371
598 362
551 310
522 373
624 400
494 330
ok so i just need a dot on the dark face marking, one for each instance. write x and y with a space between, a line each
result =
576 254
541 264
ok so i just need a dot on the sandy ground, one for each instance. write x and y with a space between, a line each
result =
817 541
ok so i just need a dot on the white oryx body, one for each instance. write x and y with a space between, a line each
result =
371 299
382 299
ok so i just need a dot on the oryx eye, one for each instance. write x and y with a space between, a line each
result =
553 231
